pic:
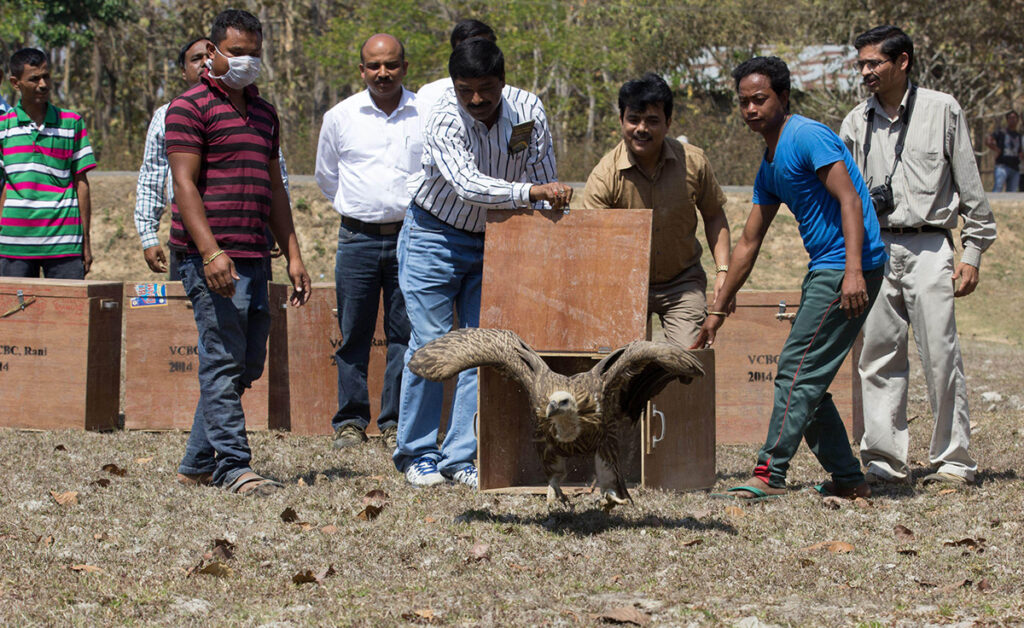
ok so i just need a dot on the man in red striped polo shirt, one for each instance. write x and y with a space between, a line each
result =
45 153
222 143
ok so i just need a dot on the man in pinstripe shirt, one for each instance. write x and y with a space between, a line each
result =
481 151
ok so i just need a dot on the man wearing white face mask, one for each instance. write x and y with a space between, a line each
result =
222 143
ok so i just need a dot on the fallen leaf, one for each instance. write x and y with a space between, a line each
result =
907 551
101 482
836 547
617 578
947 491
984 585
692 542
976 545
305 526
288 515
624 615
101 536
902 532
806 562
376 497
66 498
113 469
862 503
832 502
222 549
301 482
369 513
45 540
217 569
85 568
144 460
735 511
377 478
60 448
429 520
304 577
479 551
329 529
279 436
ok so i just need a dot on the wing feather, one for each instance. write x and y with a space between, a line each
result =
470 347
640 370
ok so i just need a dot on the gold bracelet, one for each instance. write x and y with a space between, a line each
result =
722 268
722 314
213 256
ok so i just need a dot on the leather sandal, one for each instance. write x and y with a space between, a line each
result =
250 483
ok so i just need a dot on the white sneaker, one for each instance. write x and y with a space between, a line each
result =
467 476
423 472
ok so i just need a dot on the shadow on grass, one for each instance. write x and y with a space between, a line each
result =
594 521
988 475
336 473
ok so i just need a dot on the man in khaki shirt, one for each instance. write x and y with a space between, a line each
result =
647 170
935 184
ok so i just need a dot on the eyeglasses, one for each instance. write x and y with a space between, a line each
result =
871 64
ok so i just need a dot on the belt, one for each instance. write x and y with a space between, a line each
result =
922 229
372 228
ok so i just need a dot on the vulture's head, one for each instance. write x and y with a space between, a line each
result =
564 415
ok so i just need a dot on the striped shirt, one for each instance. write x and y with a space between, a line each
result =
468 168
40 215
234 171
153 191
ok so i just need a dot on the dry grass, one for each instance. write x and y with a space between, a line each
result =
449 556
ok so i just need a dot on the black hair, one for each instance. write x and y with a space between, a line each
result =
234 18
1012 112
650 89
401 47
476 58
184 50
773 67
26 56
468 29
894 42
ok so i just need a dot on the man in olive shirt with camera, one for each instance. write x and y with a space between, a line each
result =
922 185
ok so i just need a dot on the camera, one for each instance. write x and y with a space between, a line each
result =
881 198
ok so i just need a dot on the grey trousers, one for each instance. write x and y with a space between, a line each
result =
917 292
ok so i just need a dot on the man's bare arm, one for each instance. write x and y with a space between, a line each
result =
85 214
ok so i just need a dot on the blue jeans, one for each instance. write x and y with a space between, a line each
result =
1006 179
232 348
440 268
365 265
53 268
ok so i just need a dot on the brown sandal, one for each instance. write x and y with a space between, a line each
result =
250 483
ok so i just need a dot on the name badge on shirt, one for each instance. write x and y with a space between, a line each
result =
520 139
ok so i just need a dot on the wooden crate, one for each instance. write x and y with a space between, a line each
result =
303 374
747 348
162 362
673 446
60 357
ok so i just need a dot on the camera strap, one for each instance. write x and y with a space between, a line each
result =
905 119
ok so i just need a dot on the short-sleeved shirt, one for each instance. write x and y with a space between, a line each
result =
234 171
1009 148
683 182
41 217
804 147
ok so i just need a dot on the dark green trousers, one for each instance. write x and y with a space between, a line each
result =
815 349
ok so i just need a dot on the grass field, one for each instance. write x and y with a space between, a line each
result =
84 543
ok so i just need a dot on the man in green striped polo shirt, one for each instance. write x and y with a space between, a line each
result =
45 154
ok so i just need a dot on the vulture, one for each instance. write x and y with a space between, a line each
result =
573 415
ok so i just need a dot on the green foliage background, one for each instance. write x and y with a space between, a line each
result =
114 59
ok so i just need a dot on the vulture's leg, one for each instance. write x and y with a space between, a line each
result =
613 487
554 469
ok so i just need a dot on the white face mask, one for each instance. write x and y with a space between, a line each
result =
242 70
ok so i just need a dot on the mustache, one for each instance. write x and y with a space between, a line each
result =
481 105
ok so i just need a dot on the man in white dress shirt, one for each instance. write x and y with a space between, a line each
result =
481 151
370 144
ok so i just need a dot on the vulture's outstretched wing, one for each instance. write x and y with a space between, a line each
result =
471 347
642 369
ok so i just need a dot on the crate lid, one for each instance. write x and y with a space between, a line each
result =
59 288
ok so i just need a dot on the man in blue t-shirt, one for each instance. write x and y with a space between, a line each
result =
807 167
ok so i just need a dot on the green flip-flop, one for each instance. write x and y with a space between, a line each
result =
758 494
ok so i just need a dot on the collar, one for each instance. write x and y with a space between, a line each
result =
876 104
407 98
626 160
251 91
51 118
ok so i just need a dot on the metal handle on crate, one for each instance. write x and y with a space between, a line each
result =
783 315
661 415
22 304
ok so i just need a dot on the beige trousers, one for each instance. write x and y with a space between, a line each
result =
917 292
680 305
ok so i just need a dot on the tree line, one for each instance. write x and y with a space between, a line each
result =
114 60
